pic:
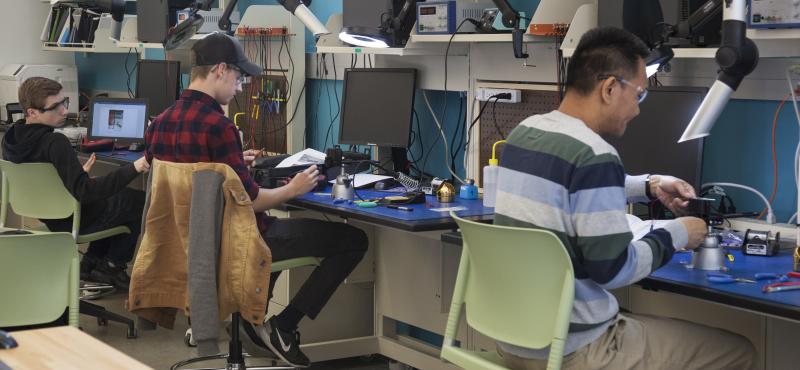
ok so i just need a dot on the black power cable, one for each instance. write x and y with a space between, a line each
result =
478 117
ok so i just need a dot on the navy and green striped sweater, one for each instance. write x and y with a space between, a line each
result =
557 174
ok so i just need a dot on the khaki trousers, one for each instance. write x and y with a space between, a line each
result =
651 343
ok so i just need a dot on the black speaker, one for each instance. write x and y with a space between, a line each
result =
152 20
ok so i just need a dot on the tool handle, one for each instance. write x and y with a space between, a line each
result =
766 276
720 279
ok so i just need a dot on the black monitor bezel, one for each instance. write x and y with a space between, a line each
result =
700 143
347 71
132 101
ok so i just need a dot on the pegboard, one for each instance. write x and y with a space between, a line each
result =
260 111
262 103
508 116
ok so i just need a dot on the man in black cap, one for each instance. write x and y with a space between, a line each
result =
194 130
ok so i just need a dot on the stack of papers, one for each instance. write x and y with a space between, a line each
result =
310 156
305 157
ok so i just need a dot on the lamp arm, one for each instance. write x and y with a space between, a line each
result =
704 14
224 22
397 21
510 15
737 56
511 19
300 9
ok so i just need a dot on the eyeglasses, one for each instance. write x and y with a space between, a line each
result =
641 93
55 106
242 79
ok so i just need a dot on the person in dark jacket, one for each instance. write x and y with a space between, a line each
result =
106 201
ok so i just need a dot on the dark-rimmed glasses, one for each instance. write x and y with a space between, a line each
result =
55 106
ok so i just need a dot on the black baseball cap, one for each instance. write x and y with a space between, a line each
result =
218 47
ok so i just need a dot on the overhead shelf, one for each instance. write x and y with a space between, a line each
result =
491 37
376 51
772 43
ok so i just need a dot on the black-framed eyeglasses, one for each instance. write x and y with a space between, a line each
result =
55 106
641 93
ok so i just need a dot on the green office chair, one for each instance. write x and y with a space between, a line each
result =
35 190
235 356
42 261
517 285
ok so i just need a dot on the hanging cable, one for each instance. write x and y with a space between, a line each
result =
444 137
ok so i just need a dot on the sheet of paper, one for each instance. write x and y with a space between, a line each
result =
640 227
364 179
304 157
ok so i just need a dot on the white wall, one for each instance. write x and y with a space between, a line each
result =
21 23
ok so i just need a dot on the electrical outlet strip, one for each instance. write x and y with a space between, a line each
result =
483 94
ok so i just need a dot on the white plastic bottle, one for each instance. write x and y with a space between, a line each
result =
490 182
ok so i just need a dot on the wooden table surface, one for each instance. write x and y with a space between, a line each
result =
63 347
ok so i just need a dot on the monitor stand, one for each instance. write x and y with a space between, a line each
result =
396 157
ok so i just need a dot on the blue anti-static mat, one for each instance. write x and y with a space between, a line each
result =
425 211
744 266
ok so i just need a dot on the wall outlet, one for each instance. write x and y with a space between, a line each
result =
483 94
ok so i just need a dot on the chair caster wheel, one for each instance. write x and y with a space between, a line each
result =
188 339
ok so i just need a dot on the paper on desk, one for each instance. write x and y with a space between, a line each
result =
364 179
304 157
640 228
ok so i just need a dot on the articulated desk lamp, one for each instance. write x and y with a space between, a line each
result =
188 28
393 31
737 56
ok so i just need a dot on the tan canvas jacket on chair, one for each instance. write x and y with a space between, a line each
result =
159 279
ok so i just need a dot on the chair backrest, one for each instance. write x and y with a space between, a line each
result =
518 284
35 190
35 282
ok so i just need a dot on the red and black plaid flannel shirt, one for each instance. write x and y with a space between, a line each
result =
196 129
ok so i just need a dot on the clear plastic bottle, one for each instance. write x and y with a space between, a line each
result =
490 182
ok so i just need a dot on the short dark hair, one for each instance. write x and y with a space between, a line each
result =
35 90
604 50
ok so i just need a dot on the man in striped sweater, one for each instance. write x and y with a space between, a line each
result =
559 174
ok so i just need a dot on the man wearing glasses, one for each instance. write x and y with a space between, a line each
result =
195 130
558 173
106 201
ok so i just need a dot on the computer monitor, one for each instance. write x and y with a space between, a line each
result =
158 81
120 119
377 106
650 143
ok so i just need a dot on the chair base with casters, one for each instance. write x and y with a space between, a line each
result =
235 356
104 316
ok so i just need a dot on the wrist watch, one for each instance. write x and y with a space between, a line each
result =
647 191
